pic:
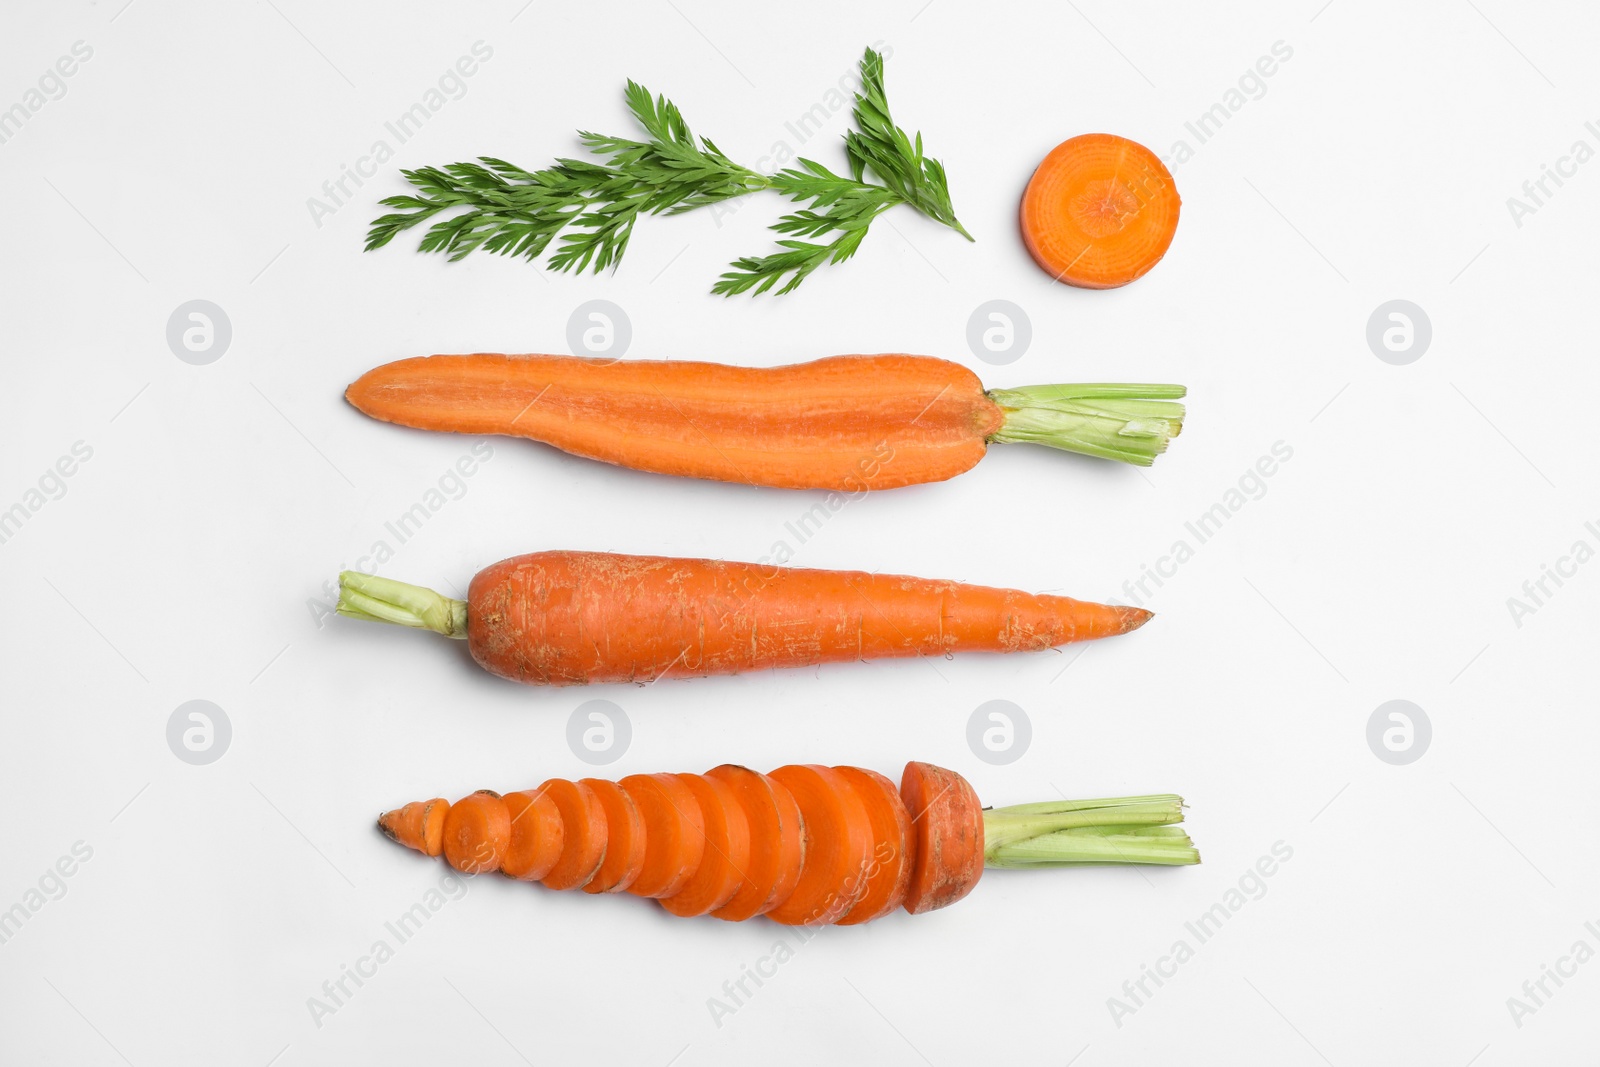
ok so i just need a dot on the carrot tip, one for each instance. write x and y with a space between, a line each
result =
1133 618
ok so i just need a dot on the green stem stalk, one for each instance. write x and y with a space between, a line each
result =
366 596
1076 833
1131 423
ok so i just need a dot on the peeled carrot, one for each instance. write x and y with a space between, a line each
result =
888 873
727 851
575 618
1100 211
674 833
624 855
538 833
850 423
806 844
477 832
418 825
584 838
838 844
777 850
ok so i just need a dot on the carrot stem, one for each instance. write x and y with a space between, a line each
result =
1119 830
366 596
1131 423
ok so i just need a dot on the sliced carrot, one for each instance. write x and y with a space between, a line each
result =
418 825
583 845
776 845
625 838
674 833
1100 211
727 849
838 846
538 834
477 832
889 868
948 821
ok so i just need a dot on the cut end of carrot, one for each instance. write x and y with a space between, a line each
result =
1121 421
1100 211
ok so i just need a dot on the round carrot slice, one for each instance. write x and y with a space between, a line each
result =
583 845
727 850
538 833
418 825
477 831
776 845
1100 211
624 854
947 823
838 846
889 868
674 833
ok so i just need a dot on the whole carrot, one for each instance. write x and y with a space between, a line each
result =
850 423
574 618
852 848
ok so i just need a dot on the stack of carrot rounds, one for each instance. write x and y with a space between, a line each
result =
804 845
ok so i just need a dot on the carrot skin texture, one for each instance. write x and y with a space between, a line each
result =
675 833
477 832
625 833
889 867
418 825
584 834
777 847
843 422
838 846
577 618
947 822
538 834
727 849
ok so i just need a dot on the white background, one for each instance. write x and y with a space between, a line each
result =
183 557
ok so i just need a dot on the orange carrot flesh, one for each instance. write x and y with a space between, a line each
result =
625 832
890 865
575 618
844 422
1100 211
584 836
947 822
838 846
477 832
776 846
674 833
418 825
727 849
538 835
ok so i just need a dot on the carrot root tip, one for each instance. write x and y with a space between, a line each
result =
1129 423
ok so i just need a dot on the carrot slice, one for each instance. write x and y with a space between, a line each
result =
477 831
889 869
538 834
776 844
838 846
624 854
583 845
1100 211
727 849
674 833
947 818
418 825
